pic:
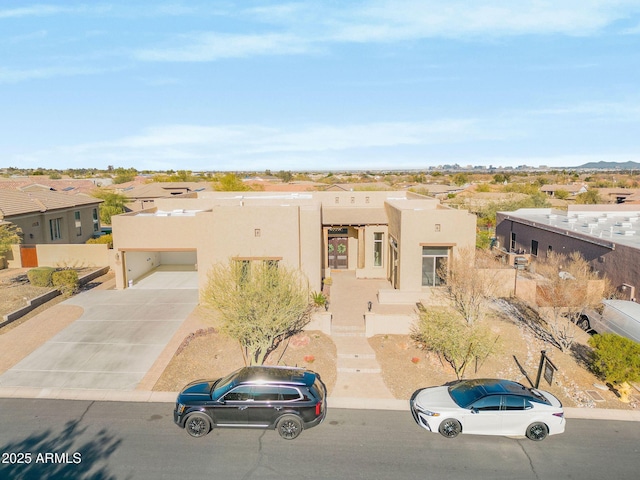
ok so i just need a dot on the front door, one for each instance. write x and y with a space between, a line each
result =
338 253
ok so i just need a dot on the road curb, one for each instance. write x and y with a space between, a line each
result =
333 402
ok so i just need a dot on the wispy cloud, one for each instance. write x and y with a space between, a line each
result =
36 10
213 46
20 75
288 28
195 145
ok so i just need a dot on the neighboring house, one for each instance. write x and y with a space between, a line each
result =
607 236
399 236
141 196
69 186
620 195
47 217
573 189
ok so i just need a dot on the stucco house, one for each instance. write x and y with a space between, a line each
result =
608 236
47 217
399 236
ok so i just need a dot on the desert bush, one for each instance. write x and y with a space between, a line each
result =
615 358
446 333
318 299
107 238
41 276
66 281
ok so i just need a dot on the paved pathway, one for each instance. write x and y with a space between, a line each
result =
115 341
359 374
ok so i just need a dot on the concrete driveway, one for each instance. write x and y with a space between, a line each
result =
116 340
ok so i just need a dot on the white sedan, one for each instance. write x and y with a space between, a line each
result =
488 407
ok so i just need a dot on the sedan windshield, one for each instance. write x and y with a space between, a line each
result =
465 393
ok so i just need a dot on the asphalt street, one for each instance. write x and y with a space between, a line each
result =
104 440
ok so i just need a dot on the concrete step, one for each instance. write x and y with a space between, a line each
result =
352 345
357 355
347 334
347 331
361 364
358 365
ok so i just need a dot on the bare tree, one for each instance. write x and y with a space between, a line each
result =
470 283
443 331
261 304
569 288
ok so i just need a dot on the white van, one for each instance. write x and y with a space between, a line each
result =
618 316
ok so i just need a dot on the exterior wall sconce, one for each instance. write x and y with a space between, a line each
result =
326 306
369 305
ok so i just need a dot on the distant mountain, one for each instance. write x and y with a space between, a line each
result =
611 165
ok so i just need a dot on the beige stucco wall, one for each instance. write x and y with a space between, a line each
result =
75 256
414 224
289 233
65 255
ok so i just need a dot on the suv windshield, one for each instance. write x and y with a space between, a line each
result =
224 384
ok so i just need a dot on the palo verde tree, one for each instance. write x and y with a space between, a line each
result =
459 343
9 235
469 282
570 287
261 304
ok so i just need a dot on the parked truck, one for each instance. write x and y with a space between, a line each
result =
618 316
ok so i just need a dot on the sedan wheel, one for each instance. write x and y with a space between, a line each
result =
198 425
537 431
583 323
450 428
289 427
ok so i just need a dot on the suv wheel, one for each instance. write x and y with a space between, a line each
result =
198 425
289 427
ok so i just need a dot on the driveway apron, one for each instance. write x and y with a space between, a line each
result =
116 340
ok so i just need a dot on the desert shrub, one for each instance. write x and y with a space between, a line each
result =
107 238
615 358
459 343
66 281
41 276
318 299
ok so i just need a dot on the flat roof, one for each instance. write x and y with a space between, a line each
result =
600 226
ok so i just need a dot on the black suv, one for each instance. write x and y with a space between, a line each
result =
285 398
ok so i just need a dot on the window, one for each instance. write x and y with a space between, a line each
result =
55 228
266 393
239 394
513 242
549 250
289 394
78 223
490 403
96 223
514 402
434 264
438 227
377 249
534 247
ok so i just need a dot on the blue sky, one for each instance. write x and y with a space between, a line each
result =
318 85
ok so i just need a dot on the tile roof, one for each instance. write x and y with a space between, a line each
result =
16 202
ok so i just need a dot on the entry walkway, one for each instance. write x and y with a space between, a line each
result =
359 373
115 341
